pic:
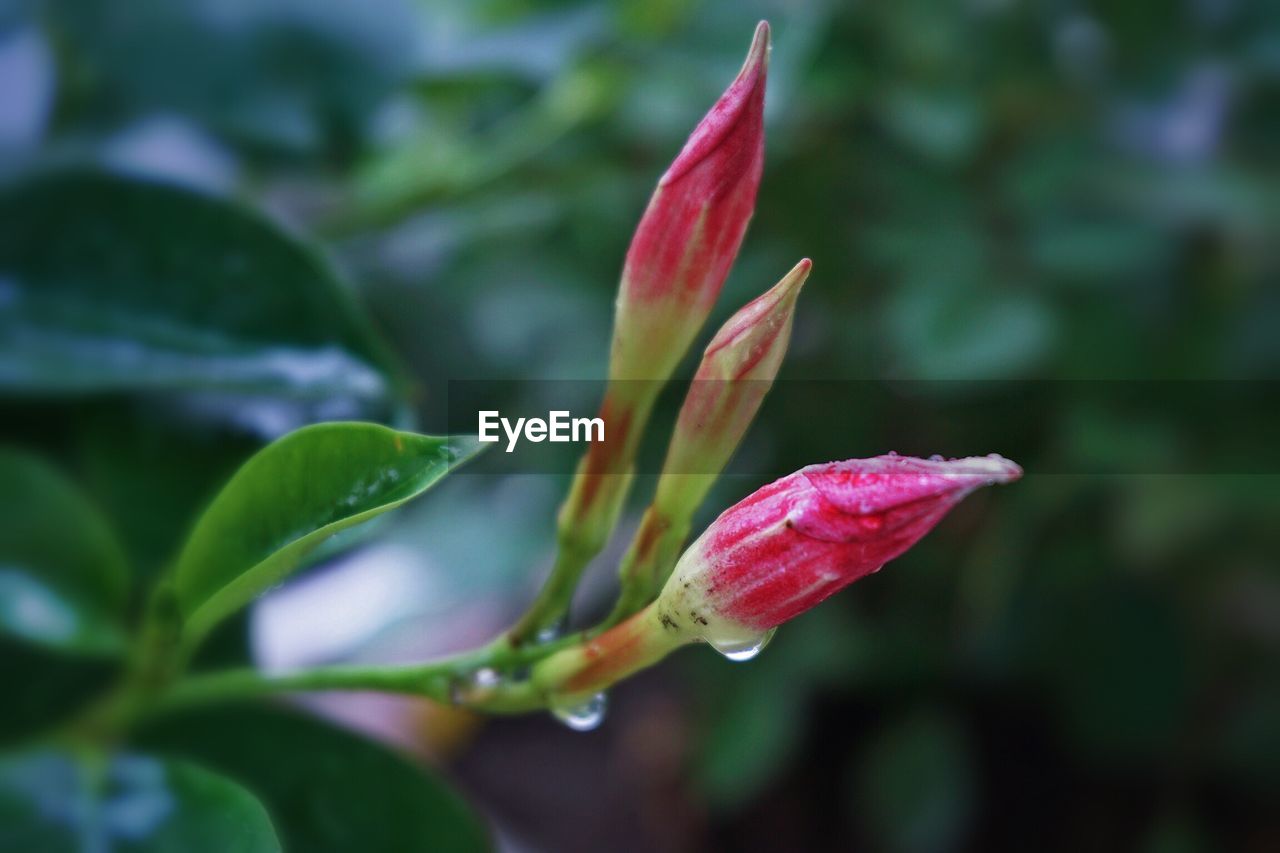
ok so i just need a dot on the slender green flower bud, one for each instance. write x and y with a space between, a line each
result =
737 370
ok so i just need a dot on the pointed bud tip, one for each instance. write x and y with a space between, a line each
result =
758 321
758 54
992 467
744 97
792 282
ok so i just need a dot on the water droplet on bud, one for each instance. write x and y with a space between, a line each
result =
937 457
584 716
740 650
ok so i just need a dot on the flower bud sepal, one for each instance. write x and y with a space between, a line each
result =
572 676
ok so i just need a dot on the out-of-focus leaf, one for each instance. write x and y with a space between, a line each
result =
759 704
52 802
439 164
288 75
755 713
1118 666
326 789
110 284
45 687
152 476
461 38
64 582
1101 253
941 331
292 496
940 126
914 788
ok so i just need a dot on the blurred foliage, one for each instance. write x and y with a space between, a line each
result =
334 791
52 803
994 189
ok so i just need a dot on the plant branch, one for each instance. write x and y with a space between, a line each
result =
450 680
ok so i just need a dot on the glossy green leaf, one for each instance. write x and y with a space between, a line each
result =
53 802
328 790
64 582
112 284
293 495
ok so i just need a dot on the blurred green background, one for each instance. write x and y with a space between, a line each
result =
990 190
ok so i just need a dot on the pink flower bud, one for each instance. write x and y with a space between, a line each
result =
788 546
690 233
737 369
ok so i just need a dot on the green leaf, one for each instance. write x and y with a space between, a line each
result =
326 789
54 802
116 285
293 495
64 582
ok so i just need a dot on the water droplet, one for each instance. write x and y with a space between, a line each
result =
584 716
742 650
486 677
937 457
463 689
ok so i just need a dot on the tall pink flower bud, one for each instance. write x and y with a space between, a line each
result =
788 546
689 236
679 258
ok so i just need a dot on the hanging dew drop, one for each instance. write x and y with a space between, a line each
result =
584 716
740 650
552 632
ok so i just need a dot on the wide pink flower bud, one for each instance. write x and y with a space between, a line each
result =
793 543
689 236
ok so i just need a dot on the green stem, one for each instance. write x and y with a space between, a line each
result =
448 680
552 601
649 560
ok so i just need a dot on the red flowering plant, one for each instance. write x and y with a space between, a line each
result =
765 560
